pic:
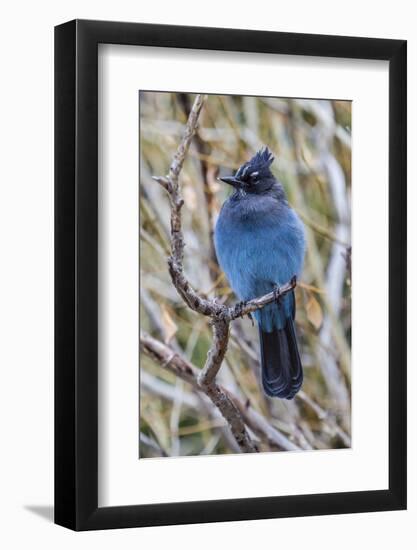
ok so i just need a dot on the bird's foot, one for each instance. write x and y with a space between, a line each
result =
294 281
239 308
277 294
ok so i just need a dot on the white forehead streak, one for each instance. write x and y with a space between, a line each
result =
244 171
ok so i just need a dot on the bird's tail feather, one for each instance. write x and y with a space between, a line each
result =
282 372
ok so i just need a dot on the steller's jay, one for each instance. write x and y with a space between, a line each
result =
260 245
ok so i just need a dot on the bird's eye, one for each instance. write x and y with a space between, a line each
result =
254 176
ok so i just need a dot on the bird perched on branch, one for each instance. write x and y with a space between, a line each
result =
260 245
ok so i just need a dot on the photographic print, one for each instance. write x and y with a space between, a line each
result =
245 274
203 285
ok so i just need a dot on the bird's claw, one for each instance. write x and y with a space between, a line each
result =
239 308
277 294
294 280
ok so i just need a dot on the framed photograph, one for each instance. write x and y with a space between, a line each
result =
230 252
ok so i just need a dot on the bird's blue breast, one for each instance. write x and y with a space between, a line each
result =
260 244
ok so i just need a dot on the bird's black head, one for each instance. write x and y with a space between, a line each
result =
254 176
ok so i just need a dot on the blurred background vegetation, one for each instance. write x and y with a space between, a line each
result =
311 140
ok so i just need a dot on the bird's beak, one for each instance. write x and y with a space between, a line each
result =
231 180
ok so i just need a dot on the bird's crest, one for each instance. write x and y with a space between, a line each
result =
257 166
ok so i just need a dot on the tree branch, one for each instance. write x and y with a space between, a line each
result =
241 413
221 314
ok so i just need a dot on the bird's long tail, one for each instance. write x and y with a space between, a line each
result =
282 372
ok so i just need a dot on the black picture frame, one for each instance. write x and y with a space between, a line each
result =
76 272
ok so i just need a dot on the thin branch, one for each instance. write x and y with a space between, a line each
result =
167 358
212 308
261 427
324 417
208 172
239 310
216 353
206 380
164 356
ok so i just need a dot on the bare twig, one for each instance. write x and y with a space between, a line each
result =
216 353
208 172
324 417
221 314
261 427
165 356
212 308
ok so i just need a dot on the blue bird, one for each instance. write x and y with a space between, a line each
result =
260 245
